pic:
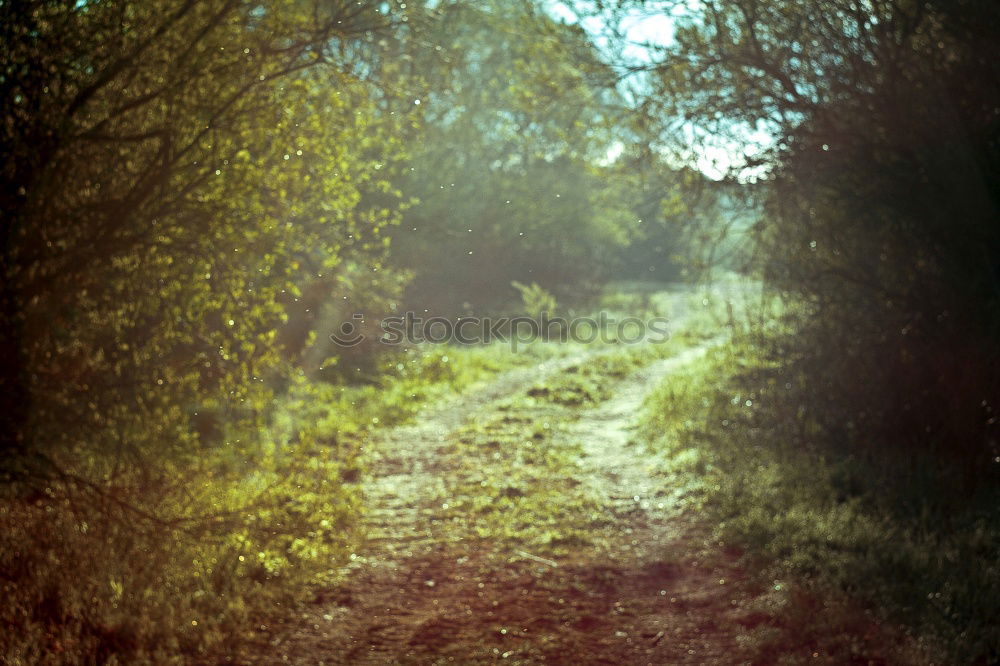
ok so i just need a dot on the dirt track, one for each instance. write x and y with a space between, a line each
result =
434 586
510 525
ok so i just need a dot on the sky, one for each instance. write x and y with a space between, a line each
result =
715 158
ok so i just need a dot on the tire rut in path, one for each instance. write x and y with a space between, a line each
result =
420 593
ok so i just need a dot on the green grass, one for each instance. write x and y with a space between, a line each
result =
522 487
88 579
586 383
172 568
738 444
526 505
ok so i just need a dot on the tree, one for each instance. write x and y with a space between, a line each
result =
170 170
175 174
517 119
882 216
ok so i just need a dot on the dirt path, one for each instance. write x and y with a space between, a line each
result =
520 523
615 469
510 528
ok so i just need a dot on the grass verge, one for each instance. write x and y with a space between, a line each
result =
735 437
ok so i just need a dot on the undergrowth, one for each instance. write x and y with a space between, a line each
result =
163 568
738 441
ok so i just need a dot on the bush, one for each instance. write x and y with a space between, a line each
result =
743 437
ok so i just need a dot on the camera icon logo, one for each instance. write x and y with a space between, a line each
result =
349 335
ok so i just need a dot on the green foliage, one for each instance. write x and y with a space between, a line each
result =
741 439
97 575
535 299
174 175
888 230
875 467
857 443
882 204
516 121
92 578
684 222
187 191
